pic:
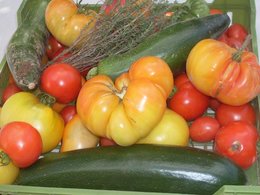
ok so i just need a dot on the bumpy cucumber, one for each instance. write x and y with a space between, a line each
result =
172 44
27 45
147 168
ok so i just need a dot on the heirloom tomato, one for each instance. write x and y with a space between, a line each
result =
8 171
26 107
171 130
224 73
64 21
237 141
77 136
21 142
130 108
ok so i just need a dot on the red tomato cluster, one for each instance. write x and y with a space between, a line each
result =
231 129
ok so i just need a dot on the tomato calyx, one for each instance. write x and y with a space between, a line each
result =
4 159
237 55
236 147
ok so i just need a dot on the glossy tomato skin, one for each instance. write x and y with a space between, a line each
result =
227 113
65 23
103 141
204 129
61 81
188 101
237 141
129 108
171 130
42 117
237 31
22 142
11 89
68 112
53 46
8 171
212 70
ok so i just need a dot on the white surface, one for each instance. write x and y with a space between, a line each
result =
8 23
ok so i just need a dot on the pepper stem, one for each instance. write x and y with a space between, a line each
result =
237 55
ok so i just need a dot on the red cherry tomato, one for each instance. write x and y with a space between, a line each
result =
215 11
214 103
237 31
188 101
227 113
11 89
62 81
106 142
68 112
204 129
237 141
22 142
53 47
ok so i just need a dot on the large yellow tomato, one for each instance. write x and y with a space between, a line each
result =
171 130
26 107
8 171
216 70
77 136
129 109
65 23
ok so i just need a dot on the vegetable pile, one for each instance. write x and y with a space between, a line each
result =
124 92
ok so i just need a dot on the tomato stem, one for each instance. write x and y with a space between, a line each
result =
4 159
237 55
46 99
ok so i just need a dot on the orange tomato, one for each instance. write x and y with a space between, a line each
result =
212 69
76 136
65 23
130 109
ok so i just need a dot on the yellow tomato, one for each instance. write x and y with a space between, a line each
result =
77 136
8 171
223 73
171 130
26 107
130 109
65 23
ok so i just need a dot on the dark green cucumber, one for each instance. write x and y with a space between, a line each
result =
147 168
27 45
172 44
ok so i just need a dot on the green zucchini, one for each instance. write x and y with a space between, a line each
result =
27 46
150 168
172 44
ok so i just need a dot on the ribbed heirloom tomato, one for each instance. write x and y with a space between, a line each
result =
128 109
219 71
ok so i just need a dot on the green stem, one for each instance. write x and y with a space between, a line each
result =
4 159
46 99
237 55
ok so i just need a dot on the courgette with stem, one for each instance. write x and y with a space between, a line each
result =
27 46
172 44
149 168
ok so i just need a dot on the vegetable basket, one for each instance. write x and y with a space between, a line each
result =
240 11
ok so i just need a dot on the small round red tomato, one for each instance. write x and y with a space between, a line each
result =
189 102
68 112
21 142
180 80
103 141
61 81
237 31
215 11
227 113
9 91
237 141
214 103
204 129
53 46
